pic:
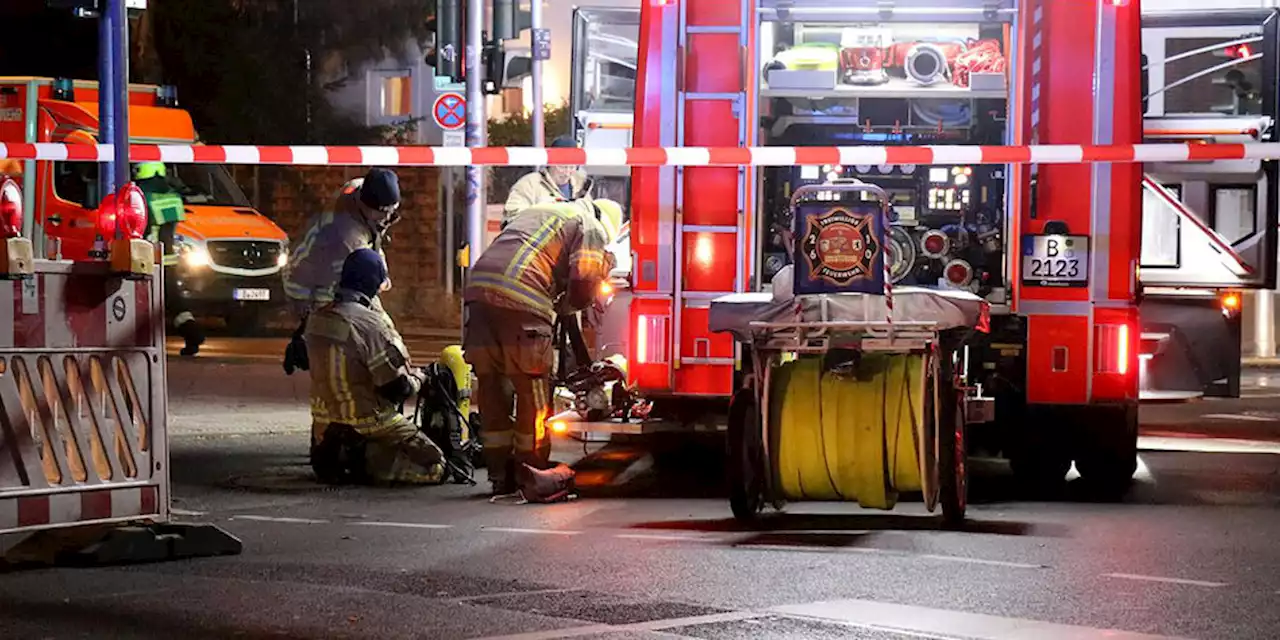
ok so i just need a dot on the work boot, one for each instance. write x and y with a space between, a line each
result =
503 483
194 337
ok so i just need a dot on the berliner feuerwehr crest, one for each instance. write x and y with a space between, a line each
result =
840 246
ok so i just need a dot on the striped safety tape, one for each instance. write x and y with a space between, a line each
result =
81 506
649 157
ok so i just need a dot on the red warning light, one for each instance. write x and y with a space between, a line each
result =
1240 51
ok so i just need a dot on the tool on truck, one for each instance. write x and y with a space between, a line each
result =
1051 250
230 255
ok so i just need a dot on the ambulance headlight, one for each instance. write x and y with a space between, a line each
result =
196 258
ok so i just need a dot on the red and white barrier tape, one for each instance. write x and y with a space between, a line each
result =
648 157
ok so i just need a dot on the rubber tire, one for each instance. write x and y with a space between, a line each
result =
745 457
953 468
1041 460
1107 456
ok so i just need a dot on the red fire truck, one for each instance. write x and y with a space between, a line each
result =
1061 361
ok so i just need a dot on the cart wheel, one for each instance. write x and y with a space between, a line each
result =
746 459
952 462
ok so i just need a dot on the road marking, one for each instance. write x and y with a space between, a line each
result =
515 594
402 525
995 563
1239 416
284 520
183 512
650 536
892 553
652 625
1194 583
1207 445
944 623
549 532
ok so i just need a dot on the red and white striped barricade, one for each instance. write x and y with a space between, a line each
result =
83 435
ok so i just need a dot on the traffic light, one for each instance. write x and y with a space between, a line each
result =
494 59
446 54
509 19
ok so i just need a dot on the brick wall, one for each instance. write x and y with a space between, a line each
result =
417 300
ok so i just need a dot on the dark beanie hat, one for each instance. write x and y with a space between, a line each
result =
564 142
381 189
363 271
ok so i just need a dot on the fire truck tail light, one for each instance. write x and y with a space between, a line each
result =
1230 304
651 340
10 208
1113 348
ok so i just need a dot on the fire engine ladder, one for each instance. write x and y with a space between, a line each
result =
710 202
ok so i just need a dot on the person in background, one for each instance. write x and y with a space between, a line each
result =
549 261
548 184
366 208
364 378
167 211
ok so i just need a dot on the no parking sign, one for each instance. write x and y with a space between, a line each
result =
450 111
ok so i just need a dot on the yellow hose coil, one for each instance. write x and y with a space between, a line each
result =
849 438
451 357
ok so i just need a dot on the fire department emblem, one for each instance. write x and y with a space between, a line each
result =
840 246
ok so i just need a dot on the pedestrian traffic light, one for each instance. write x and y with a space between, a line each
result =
446 54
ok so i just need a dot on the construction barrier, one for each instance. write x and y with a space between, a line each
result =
650 157
82 397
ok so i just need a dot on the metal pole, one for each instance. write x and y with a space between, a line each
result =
1264 330
106 101
477 129
450 231
120 87
539 127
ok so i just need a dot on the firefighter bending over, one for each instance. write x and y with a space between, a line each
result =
365 210
546 185
362 376
549 260
167 211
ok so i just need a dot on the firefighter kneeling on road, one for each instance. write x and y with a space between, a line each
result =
549 260
362 376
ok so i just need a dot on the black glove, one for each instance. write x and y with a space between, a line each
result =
295 353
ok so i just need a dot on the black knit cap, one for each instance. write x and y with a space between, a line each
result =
363 271
564 142
381 189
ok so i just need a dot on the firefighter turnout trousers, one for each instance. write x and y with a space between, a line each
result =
511 353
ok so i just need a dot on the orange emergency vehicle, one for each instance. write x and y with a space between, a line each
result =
230 255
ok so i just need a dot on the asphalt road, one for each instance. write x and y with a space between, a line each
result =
1189 552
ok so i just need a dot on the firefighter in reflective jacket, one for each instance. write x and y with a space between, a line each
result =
167 210
362 377
365 210
550 260
548 184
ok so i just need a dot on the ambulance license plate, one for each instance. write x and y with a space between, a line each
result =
1055 261
252 294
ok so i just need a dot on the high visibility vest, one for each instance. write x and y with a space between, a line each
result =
165 204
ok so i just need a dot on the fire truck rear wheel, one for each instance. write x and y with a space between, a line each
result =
746 457
1107 449
1041 461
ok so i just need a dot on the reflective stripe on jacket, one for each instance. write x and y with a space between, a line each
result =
531 262
316 261
354 350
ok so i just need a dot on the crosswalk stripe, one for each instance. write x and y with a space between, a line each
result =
946 623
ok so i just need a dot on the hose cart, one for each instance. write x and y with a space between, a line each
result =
853 391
